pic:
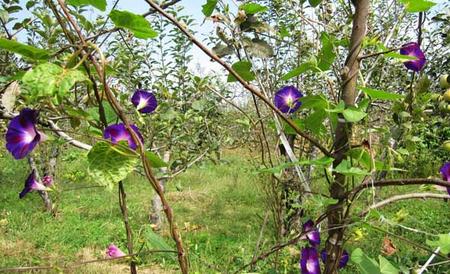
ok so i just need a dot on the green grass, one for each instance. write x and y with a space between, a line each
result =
218 208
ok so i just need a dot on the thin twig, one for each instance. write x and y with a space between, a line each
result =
374 54
124 210
100 69
396 198
244 83
78 264
397 182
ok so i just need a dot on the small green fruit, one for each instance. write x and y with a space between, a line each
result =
443 81
446 145
435 97
447 95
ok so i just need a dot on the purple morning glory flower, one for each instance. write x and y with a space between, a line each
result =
312 233
342 262
309 261
47 181
114 252
287 99
144 101
22 135
119 132
31 184
445 172
413 49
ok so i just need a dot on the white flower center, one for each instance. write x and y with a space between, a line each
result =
289 100
28 137
142 103
310 265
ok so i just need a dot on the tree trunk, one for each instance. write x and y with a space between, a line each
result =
343 135
157 207
50 167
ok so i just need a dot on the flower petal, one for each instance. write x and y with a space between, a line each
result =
445 172
342 262
47 181
144 101
344 259
118 132
113 251
31 184
312 233
413 49
287 99
309 261
22 136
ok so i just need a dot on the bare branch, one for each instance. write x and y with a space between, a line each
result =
397 182
396 198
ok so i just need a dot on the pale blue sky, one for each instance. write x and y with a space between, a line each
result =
192 7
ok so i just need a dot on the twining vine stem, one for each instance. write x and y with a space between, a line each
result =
244 83
124 210
100 69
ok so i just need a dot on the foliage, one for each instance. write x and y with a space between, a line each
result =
390 123
109 163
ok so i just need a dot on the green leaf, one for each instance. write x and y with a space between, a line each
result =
154 160
209 7
4 15
298 70
324 161
417 5
381 94
259 48
318 203
339 108
386 267
24 50
314 102
314 3
243 68
347 169
8 99
198 105
77 113
68 79
155 241
137 24
399 56
314 122
365 264
222 50
99 4
109 163
353 114
252 8
443 243
49 80
289 130
361 156
326 54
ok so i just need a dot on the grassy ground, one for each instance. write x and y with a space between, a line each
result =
219 210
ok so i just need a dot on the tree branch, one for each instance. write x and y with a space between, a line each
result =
100 70
245 84
396 198
397 182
